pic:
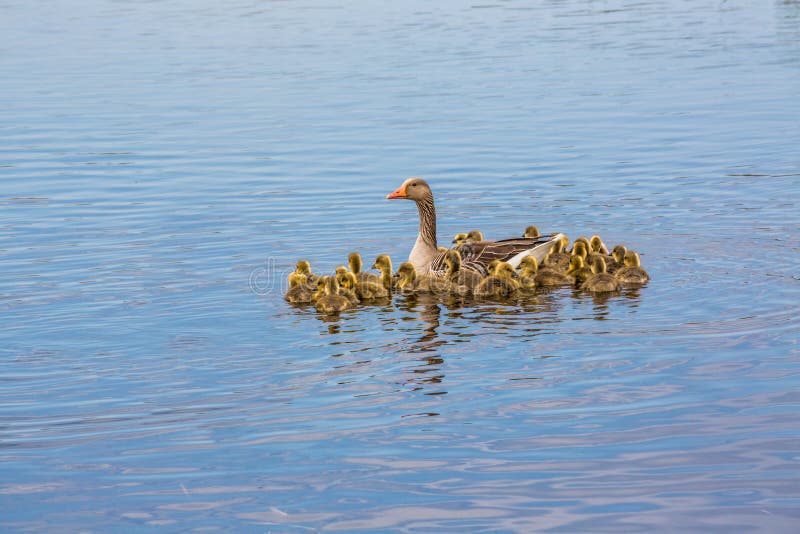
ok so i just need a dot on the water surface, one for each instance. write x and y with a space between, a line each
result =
154 158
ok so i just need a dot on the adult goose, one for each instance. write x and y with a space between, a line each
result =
426 257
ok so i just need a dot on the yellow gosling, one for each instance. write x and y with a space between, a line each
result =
355 262
461 277
528 269
601 281
578 270
331 302
501 284
474 236
347 286
531 231
460 239
299 292
596 245
617 259
384 264
632 273
304 267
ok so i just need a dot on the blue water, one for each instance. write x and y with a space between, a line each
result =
163 165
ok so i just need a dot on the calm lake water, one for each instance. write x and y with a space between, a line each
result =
154 158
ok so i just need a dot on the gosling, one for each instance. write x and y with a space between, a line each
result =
331 302
632 273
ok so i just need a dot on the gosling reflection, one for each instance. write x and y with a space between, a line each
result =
430 371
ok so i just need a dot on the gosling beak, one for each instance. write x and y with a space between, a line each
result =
454 241
400 193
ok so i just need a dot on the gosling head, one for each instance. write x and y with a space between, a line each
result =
492 266
459 239
383 262
598 264
632 259
407 272
580 249
581 240
340 270
619 253
453 260
347 280
415 189
354 260
303 267
595 243
504 270
528 265
575 263
531 231
474 236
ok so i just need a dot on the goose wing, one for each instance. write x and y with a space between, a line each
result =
477 256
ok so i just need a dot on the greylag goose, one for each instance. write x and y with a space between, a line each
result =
632 273
600 281
500 283
331 301
426 257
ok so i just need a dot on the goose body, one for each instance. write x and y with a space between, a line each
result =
426 257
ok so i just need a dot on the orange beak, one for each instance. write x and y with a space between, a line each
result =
400 193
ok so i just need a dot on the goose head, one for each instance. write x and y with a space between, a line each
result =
412 189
